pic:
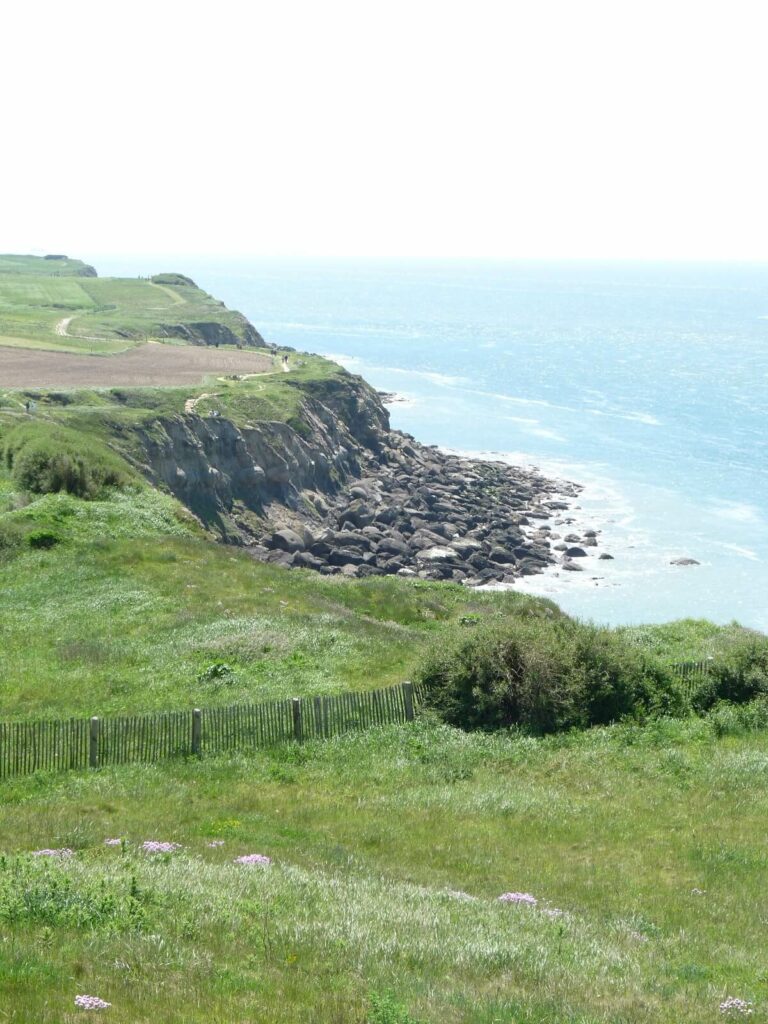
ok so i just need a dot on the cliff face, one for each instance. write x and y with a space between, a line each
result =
240 480
212 333
337 491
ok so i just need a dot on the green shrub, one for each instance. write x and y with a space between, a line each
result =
42 539
384 1010
545 675
217 672
740 673
11 535
45 458
729 719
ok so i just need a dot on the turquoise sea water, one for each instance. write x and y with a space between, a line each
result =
646 383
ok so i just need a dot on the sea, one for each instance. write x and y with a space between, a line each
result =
645 383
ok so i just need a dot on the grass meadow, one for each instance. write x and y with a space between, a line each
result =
644 847
103 315
135 623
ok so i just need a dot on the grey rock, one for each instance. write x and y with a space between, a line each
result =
345 556
465 548
437 554
351 539
287 540
303 560
502 556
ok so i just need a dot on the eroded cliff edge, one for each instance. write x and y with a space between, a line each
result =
334 488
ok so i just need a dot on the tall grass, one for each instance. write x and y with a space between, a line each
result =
389 851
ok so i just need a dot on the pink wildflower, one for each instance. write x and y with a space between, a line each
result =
519 897
733 1007
91 1003
154 846
253 858
113 842
66 852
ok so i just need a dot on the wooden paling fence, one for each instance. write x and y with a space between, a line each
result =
27 747
692 673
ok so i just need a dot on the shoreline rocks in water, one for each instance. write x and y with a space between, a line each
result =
419 511
338 491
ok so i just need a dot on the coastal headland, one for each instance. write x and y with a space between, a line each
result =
284 453
455 867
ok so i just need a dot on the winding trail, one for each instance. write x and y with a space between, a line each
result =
63 325
176 299
191 403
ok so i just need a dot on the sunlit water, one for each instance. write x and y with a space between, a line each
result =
645 383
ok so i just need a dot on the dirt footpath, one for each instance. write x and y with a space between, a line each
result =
147 366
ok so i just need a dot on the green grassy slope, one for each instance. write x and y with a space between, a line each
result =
96 626
132 604
389 850
43 303
58 266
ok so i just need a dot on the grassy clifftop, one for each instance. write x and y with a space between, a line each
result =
56 304
54 265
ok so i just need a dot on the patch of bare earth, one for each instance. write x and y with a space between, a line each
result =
146 366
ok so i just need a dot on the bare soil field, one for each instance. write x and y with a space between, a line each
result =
147 366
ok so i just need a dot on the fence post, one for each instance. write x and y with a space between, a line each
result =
317 709
197 731
298 732
93 743
408 701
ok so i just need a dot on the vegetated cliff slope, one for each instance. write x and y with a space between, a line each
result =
330 486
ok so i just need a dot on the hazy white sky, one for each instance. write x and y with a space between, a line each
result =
420 128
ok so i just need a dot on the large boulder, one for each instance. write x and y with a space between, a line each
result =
464 547
437 554
287 540
392 546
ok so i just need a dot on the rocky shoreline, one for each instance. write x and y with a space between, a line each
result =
419 511
337 490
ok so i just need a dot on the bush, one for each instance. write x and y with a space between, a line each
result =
45 458
544 675
735 720
385 1010
740 673
11 535
42 539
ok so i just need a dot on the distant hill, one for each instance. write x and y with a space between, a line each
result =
53 302
54 265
